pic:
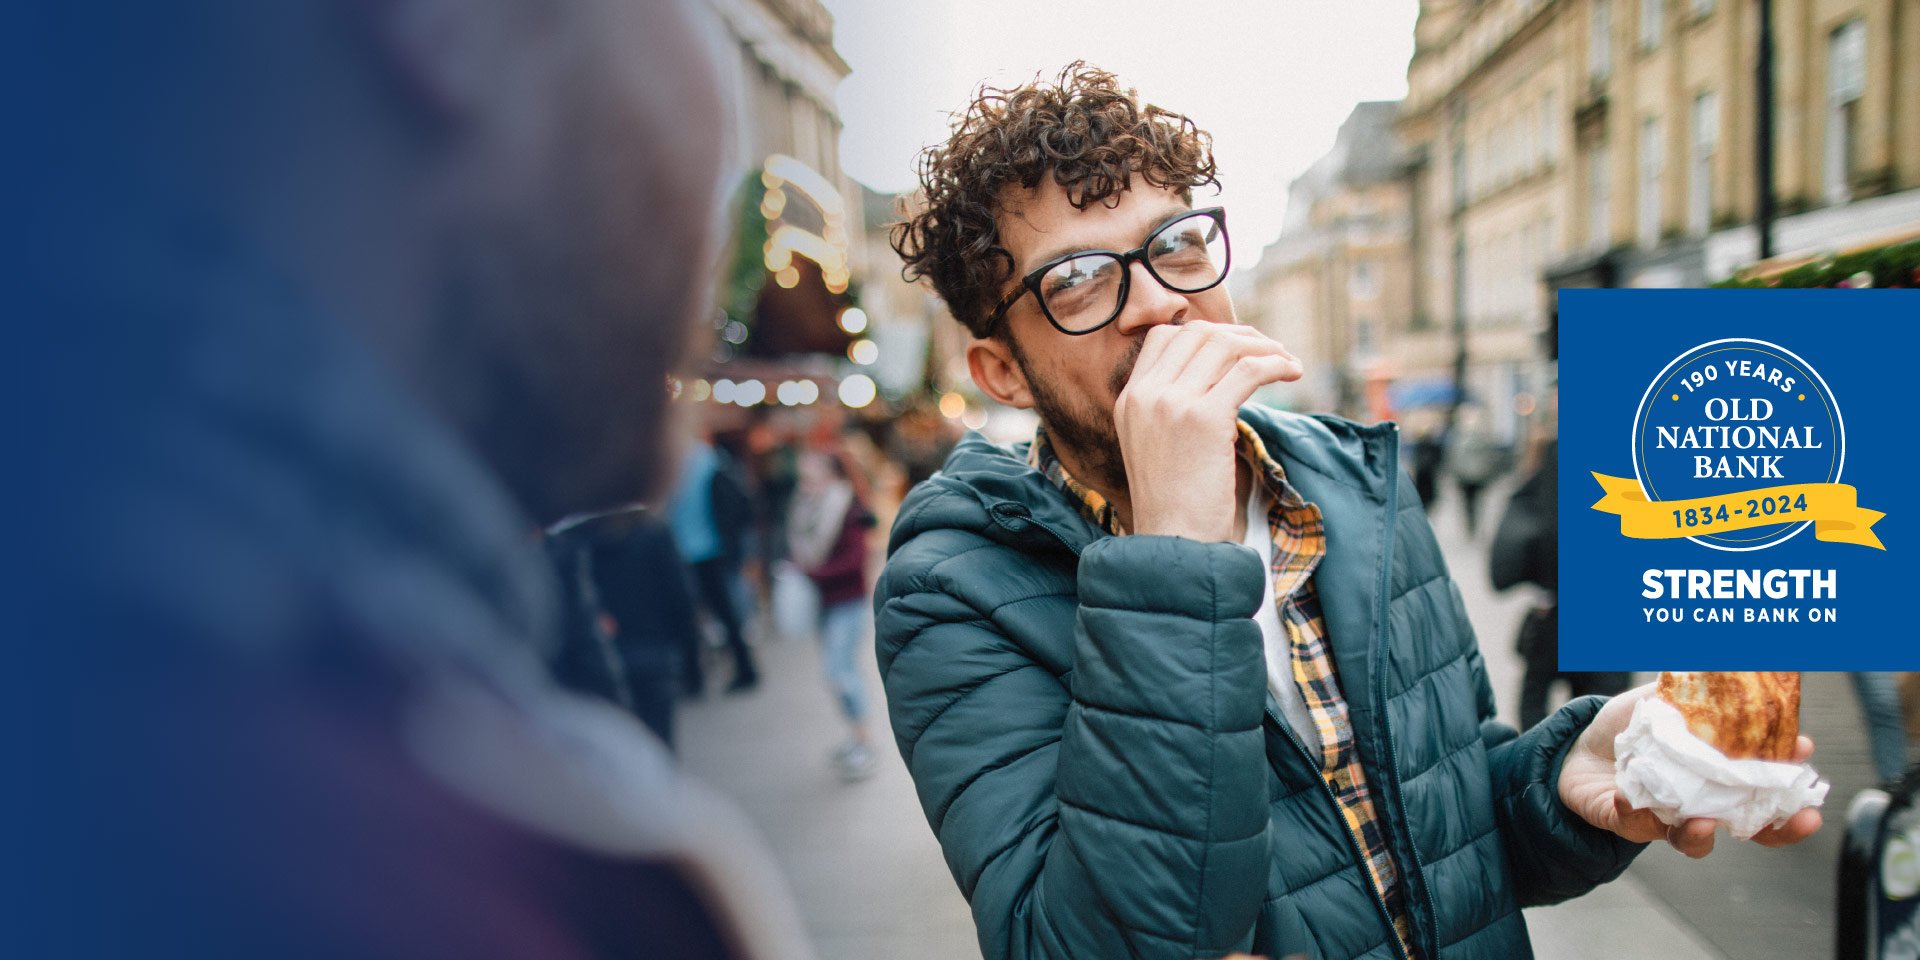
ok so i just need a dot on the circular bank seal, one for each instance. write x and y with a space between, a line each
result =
1734 416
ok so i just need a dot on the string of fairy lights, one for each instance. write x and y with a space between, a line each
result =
785 181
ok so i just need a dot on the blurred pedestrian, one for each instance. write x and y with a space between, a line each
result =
1474 458
770 465
1910 702
711 515
1429 453
919 440
586 659
1526 551
1886 724
638 594
329 306
827 539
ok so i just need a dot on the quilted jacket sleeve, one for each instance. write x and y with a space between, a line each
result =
1120 811
1555 855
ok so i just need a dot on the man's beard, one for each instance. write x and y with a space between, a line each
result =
1083 425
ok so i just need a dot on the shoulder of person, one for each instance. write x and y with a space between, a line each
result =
975 487
941 502
983 507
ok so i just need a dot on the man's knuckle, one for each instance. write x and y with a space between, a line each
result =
1184 414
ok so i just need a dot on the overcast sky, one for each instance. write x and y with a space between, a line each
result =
1270 79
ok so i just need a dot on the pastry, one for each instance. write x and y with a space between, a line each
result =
1743 715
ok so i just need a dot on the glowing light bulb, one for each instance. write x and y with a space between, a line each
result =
857 391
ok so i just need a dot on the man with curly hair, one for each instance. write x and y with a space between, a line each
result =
1184 675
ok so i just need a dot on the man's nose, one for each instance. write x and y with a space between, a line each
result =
1148 302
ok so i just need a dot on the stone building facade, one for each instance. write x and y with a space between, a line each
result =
1612 143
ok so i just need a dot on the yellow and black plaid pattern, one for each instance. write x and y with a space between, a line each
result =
1299 541
1092 505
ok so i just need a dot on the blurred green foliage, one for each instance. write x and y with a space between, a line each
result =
740 297
1894 265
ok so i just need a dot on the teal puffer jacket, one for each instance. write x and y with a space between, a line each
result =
1087 723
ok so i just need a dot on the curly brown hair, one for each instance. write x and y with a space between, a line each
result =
1082 128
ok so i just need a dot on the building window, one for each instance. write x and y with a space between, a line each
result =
1600 41
1363 335
1460 278
1488 166
1515 152
1701 8
1466 173
1651 12
803 143
1706 142
1599 198
1846 82
1364 212
1459 176
1549 128
1364 284
1651 167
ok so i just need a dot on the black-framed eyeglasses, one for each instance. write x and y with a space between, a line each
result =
1082 292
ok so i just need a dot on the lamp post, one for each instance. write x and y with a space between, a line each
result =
1763 131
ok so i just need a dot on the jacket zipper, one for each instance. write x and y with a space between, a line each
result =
1380 686
1299 747
1379 900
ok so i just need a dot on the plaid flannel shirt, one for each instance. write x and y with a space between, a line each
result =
1299 541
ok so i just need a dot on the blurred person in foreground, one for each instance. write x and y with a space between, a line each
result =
827 539
333 305
1185 675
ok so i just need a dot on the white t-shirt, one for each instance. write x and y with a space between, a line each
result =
1293 708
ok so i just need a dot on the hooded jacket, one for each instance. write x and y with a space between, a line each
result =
1087 723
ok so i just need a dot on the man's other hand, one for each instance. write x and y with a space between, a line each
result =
1588 788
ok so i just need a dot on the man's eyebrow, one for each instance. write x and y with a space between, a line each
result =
1172 214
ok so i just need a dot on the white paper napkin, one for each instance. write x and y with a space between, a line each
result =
1661 766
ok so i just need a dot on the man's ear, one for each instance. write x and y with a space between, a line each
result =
997 374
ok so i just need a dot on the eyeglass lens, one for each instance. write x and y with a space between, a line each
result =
1187 255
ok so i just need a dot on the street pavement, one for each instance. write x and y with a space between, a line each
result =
860 858
871 883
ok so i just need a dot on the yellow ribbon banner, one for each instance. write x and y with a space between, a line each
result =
1837 517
